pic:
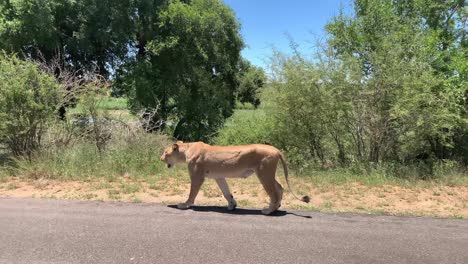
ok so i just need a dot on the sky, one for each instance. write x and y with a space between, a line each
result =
266 24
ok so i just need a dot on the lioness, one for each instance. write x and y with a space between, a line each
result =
218 162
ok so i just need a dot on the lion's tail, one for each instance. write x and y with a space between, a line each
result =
304 199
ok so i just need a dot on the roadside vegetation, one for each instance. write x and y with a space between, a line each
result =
375 121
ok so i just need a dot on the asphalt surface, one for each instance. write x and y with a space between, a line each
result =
53 231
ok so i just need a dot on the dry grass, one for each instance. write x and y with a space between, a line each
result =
130 171
428 200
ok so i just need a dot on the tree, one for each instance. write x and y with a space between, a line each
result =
251 81
28 99
88 34
188 68
178 56
395 43
384 88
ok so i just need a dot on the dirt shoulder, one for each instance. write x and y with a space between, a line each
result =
442 201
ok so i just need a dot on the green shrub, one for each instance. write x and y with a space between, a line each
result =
246 127
134 154
28 99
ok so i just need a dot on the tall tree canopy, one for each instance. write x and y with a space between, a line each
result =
390 85
187 67
87 34
412 55
251 81
179 56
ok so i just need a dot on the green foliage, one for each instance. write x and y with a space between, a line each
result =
246 127
244 106
137 156
113 103
375 98
86 33
28 99
251 81
188 69
410 51
91 102
386 94
179 57
300 108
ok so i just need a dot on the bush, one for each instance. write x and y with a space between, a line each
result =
91 143
28 99
96 120
245 127
128 152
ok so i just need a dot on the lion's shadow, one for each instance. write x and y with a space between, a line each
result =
237 211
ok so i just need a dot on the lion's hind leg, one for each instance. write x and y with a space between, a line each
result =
222 183
266 175
279 188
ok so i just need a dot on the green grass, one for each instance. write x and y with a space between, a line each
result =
140 161
137 157
114 107
101 185
107 103
380 177
327 205
114 194
245 203
154 186
112 103
244 106
129 188
325 178
457 216
245 127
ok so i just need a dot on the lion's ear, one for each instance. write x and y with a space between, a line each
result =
179 142
175 147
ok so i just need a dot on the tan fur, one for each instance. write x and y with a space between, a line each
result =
220 162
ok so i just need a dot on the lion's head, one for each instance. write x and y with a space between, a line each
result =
172 155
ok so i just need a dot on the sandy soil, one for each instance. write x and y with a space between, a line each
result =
443 201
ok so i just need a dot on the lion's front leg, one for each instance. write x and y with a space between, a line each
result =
222 183
196 182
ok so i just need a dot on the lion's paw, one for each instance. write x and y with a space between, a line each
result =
232 206
184 206
267 211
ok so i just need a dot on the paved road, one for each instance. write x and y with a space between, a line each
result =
52 231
